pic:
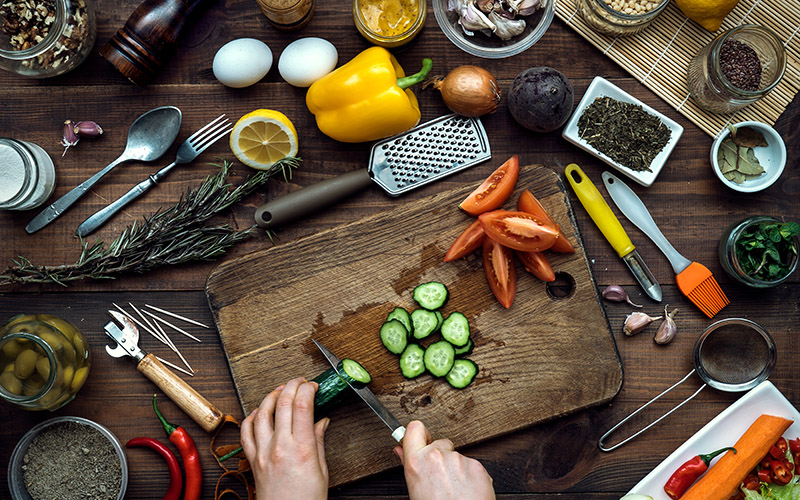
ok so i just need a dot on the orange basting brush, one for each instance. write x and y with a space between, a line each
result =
694 279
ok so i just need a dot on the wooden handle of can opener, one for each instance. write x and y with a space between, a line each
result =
189 400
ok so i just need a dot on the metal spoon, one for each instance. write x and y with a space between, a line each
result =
149 138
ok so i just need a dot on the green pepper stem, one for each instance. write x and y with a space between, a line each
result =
168 427
410 80
231 454
708 458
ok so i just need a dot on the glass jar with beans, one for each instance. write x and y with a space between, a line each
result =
735 69
620 17
44 361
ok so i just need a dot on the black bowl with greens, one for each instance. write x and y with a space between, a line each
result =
760 251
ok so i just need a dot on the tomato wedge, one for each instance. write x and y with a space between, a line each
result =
537 264
498 264
466 243
528 203
495 190
518 230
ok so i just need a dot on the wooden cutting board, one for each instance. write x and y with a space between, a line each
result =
543 358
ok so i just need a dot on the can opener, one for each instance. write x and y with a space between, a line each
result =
189 400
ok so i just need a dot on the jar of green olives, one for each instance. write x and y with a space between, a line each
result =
44 361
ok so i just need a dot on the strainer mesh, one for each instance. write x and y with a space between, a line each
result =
734 354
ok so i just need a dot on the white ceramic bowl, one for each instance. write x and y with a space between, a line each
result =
600 87
492 47
771 157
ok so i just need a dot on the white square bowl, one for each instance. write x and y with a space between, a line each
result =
600 87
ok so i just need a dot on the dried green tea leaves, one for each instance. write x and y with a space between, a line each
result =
736 157
624 132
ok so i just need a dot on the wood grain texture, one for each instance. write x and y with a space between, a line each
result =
540 359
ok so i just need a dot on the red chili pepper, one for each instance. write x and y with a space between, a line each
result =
688 473
766 476
794 445
751 482
191 457
780 472
175 480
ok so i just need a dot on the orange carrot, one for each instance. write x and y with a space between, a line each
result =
724 478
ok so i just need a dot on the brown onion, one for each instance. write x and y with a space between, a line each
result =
469 91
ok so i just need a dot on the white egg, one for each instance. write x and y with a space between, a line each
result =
306 60
242 62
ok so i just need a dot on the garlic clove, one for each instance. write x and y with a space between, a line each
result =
616 293
667 329
636 322
69 136
87 129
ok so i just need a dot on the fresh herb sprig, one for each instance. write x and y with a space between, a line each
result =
172 236
765 251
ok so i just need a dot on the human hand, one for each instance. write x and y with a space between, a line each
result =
285 448
434 471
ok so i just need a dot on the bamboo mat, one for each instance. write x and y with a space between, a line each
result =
659 55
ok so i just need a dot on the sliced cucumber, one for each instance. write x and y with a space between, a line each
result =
463 351
423 322
431 295
332 386
439 319
462 373
455 329
394 336
411 361
402 316
359 376
439 358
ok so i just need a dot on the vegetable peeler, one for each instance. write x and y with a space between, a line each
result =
189 400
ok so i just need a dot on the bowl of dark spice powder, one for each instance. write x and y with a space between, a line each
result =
68 458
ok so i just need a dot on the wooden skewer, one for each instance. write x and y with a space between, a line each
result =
141 325
172 326
176 367
173 347
177 316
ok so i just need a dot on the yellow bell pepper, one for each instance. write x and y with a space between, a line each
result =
367 98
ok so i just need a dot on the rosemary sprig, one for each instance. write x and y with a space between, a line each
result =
172 236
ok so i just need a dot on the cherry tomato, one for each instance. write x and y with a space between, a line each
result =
495 190
518 230
528 203
498 264
466 243
537 264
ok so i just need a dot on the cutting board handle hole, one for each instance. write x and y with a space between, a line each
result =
562 287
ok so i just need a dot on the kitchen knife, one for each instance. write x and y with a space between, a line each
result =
607 222
398 430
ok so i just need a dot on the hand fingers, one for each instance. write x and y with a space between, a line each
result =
319 433
285 407
263 421
246 435
416 438
443 444
303 412
398 450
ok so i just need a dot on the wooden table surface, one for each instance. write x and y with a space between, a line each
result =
556 460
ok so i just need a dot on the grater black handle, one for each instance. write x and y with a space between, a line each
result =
310 199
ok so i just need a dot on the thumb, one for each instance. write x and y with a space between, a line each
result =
417 437
319 433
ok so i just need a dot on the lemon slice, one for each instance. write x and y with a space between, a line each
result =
262 137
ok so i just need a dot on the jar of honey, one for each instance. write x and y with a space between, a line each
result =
389 23
44 361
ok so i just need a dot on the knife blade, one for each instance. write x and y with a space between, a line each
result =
612 230
398 430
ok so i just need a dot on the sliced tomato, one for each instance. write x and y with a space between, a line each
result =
498 264
528 203
466 243
537 264
495 190
518 230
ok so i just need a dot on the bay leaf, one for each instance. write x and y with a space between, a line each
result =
749 137
727 156
748 163
736 177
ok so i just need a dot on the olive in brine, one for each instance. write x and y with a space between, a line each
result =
11 383
25 364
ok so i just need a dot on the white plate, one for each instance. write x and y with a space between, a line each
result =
600 87
722 431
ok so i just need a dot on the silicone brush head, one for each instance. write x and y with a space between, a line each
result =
697 283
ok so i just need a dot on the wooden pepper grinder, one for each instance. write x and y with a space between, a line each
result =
141 48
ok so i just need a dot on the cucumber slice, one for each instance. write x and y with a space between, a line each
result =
462 374
402 316
439 319
411 361
467 349
455 329
431 295
394 336
333 388
359 376
439 358
424 323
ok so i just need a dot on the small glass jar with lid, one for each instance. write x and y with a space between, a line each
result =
736 68
44 38
731 260
620 17
44 361
28 174
389 23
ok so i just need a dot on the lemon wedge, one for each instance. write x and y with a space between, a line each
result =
262 137
708 13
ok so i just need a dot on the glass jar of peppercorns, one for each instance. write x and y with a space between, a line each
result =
737 68
44 38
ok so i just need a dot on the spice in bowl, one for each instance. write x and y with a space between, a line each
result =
389 23
737 158
620 17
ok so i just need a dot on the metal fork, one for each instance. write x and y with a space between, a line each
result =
188 151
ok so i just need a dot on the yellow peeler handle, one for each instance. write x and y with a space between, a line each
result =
598 209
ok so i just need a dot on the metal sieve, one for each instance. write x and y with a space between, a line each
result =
732 355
